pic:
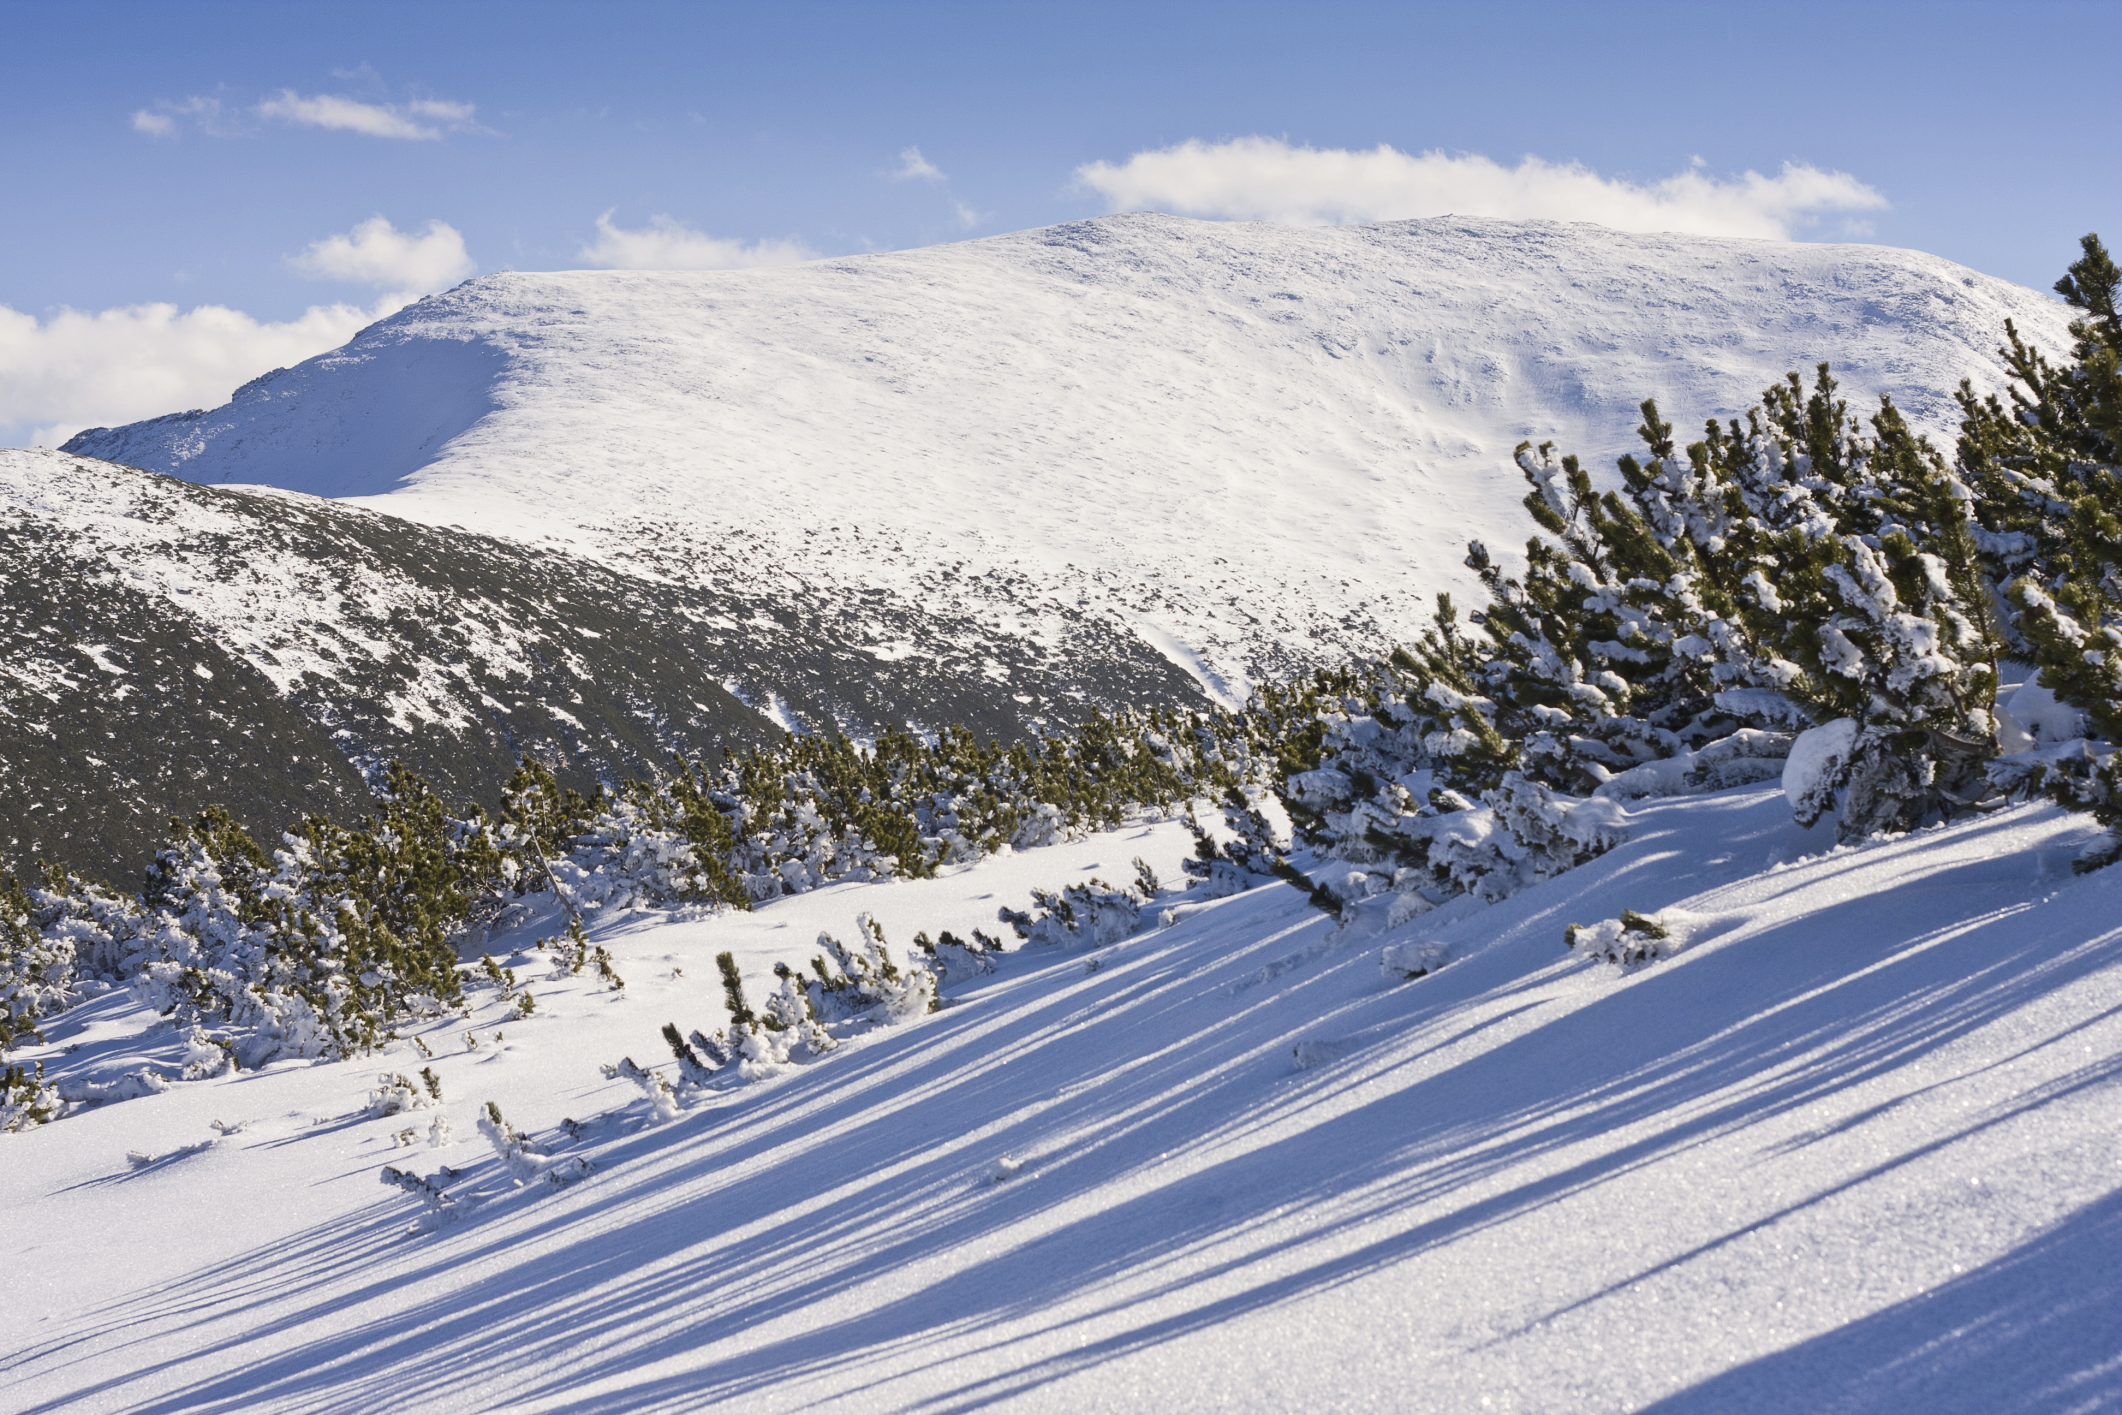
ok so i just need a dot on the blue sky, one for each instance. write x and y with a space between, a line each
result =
197 154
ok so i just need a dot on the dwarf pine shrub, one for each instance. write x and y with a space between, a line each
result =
2046 474
38 973
1794 571
1627 942
1092 912
26 1098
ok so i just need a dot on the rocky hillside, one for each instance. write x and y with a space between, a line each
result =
163 645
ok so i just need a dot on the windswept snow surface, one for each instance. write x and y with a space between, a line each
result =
1258 446
1852 1147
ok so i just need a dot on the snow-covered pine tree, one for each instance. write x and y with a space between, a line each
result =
37 973
706 827
223 950
26 1098
1092 912
1826 575
864 980
519 1156
2047 478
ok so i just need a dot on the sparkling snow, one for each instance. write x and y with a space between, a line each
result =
1852 1147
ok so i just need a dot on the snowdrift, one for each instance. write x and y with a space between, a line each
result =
1848 1146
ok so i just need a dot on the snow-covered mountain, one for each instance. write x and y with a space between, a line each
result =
1255 447
600 516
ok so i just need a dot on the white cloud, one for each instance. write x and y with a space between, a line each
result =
1266 179
913 165
377 120
87 369
665 244
162 120
442 110
377 253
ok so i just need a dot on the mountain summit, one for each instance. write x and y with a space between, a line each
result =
1254 447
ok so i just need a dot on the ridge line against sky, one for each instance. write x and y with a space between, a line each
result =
77 369
309 173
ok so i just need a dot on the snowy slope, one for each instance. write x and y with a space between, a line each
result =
1852 1148
1256 446
164 645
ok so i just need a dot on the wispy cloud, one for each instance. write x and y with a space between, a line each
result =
83 368
914 167
417 120
1267 179
377 253
422 120
165 119
667 244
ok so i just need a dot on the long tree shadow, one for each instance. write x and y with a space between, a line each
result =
2053 1306
796 1199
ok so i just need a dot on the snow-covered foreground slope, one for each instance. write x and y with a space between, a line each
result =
1851 1148
1258 447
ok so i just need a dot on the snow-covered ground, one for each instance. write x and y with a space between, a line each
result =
1852 1147
1258 447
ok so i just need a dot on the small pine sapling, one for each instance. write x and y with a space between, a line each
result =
1146 882
869 979
26 1099
954 957
576 954
691 1065
394 1094
662 1100
788 1011
740 1011
518 1155
428 1191
717 1049
1198 865
1627 942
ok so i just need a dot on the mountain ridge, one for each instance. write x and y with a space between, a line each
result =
1006 482
1263 446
